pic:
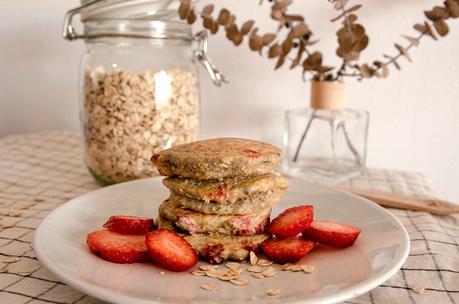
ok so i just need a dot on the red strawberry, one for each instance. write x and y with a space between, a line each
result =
170 250
130 224
286 250
291 222
118 248
332 234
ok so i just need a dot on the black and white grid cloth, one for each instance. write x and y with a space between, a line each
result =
38 172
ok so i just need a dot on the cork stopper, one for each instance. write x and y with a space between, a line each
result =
328 95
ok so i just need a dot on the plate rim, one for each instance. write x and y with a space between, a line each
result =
104 294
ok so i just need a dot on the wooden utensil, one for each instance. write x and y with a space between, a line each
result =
406 202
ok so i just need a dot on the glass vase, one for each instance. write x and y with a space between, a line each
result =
325 145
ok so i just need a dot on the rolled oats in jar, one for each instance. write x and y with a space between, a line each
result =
139 86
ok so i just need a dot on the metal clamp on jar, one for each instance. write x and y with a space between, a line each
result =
139 87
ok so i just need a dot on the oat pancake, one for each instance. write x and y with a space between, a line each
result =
216 248
257 202
229 190
196 223
218 158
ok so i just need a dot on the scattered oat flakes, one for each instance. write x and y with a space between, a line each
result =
254 269
264 262
419 289
209 287
257 275
215 273
228 277
307 268
14 213
6 226
11 259
253 258
38 199
232 265
208 267
269 272
287 266
239 282
24 273
272 292
198 273
295 267
236 271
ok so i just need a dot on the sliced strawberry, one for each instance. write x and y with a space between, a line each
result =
286 250
130 224
118 248
170 250
291 222
332 234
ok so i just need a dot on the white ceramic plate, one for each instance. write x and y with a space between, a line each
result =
381 249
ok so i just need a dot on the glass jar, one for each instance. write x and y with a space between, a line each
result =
139 90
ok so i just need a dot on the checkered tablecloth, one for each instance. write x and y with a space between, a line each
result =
38 172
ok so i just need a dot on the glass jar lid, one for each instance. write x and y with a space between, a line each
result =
129 9
138 19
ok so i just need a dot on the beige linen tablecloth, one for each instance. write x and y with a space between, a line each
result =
38 172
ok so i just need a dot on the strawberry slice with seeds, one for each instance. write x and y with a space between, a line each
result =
118 248
170 250
130 224
332 234
291 222
286 250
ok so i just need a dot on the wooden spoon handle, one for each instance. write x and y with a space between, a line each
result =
407 202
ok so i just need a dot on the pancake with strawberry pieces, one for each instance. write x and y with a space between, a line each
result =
216 248
197 223
233 190
218 158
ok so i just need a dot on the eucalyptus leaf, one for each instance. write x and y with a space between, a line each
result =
441 27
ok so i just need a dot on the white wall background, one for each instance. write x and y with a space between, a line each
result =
414 113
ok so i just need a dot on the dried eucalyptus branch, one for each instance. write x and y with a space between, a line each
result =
297 35
437 15
352 39
294 33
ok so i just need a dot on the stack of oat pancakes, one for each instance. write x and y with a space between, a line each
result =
221 194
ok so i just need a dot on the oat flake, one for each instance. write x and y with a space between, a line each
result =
419 289
209 287
253 258
239 282
273 292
